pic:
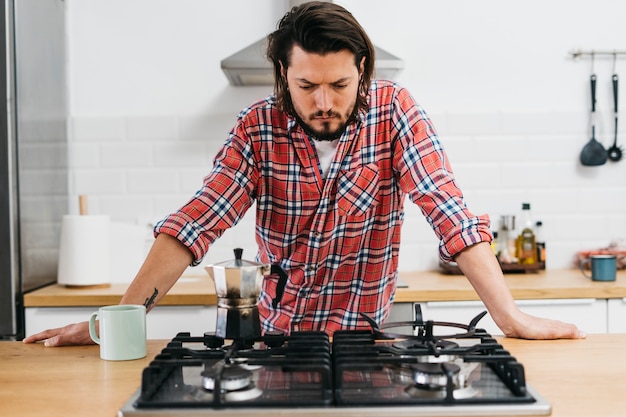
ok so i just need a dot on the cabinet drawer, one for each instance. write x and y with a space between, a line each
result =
589 314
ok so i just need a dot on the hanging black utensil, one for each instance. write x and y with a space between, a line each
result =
615 152
593 153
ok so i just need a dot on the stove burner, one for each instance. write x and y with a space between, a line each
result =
411 344
235 382
438 380
436 375
232 378
247 394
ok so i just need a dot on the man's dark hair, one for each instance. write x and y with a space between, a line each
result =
319 27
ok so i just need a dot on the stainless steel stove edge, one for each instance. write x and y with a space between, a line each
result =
539 408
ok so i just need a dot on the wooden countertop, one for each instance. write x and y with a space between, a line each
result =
548 284
577 377
186 291
422 286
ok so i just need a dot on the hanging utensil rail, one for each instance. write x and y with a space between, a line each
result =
578 53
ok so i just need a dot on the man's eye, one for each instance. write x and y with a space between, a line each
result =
340 86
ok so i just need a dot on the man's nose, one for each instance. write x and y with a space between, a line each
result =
322 99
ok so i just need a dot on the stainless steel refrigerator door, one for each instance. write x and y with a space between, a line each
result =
9 242
33 165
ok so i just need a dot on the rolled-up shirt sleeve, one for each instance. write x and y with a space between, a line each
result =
227 193
426 176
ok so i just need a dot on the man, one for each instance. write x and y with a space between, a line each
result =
329 160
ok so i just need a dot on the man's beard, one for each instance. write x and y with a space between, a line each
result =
324 134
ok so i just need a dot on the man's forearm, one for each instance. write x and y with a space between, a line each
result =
481 268
164 264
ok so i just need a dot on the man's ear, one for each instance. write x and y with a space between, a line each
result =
362 67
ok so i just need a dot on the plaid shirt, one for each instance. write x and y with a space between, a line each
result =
337 238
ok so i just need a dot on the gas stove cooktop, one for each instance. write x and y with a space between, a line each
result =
428 369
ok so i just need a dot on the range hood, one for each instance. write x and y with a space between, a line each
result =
250 67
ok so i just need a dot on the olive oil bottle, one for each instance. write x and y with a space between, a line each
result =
526 248
540 242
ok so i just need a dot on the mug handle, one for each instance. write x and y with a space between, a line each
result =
92 328
584 263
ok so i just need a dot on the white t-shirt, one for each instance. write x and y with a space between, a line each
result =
325 152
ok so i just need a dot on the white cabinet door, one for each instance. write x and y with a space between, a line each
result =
589 314
617 315
42 318
163 322
400 312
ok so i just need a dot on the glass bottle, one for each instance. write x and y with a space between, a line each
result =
540 242
526 243
507 240
494 243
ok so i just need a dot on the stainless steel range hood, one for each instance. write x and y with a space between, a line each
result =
250 66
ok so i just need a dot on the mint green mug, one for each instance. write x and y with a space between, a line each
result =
603 267
122 334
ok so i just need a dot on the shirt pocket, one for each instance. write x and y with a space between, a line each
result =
357 190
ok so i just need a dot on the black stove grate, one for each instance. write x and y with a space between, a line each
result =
368 371
284 370
360 368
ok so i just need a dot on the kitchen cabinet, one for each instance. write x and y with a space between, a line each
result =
589 314
617 315
163 322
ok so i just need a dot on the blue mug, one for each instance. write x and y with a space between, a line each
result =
603 267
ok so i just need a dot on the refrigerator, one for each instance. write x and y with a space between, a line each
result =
33 152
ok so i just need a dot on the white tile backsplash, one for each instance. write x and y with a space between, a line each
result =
97 129
152 181
180 154
127 154
99 181
152 128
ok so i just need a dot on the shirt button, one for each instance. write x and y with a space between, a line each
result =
310 268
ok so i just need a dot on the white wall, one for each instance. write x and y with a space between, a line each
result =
149 106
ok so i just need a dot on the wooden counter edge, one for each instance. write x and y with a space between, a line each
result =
422 286
185 292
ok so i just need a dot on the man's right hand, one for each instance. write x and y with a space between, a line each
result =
72 334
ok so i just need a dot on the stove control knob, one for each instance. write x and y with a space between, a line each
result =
213 342
274 338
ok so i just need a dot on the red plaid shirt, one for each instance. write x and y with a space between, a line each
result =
337 238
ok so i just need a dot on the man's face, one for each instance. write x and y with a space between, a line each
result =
323 90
